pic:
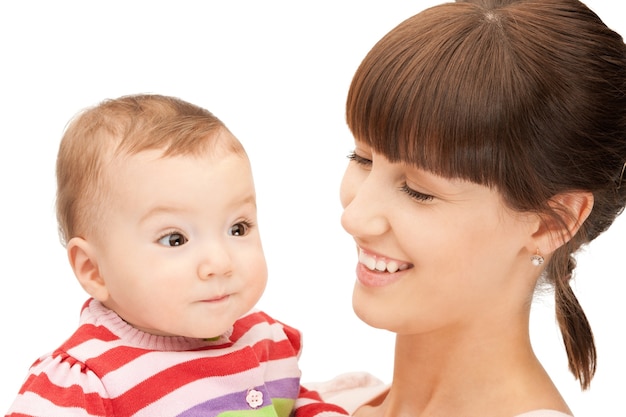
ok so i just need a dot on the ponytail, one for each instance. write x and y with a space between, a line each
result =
575 328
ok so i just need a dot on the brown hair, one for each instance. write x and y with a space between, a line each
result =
528 97
126 125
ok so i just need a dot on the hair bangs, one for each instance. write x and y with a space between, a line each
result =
441 103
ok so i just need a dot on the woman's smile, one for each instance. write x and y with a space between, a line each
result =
377 271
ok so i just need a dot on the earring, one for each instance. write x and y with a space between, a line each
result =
536 259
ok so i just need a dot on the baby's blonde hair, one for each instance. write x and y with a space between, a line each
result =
125 126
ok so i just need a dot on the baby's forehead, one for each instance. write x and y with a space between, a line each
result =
123 162
154 177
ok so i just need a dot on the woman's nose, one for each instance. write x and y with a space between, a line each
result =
365 212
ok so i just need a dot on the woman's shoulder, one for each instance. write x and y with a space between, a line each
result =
544 413
353 390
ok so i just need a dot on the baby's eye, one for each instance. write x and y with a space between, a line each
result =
239 229
173 239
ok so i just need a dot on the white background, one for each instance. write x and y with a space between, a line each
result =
276 72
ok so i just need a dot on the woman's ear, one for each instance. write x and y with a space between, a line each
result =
571 209
83 260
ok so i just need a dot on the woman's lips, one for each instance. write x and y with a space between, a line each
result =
378 263
378 271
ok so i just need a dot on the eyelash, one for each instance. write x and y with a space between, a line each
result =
359 159
173 232
246 223
416 195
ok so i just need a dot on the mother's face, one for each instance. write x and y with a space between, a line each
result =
433 252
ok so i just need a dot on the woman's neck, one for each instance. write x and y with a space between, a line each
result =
469 373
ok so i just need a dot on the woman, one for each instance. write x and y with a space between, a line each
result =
490 144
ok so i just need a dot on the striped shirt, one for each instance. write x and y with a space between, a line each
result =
109 368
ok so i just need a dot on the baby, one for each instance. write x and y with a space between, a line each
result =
156 207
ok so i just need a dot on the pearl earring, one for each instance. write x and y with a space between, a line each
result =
536 259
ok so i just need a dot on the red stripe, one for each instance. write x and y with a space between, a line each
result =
244 324
312 395
294 337
26 386
315 409
88 332
114 359
267 350
72 396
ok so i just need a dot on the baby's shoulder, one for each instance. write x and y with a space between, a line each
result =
58 380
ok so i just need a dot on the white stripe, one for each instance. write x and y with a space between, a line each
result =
263 330
281 368
34 405
92 348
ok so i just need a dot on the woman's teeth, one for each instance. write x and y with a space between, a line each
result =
379 265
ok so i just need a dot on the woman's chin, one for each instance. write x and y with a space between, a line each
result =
368 313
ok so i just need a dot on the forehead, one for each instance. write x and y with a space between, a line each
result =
150 178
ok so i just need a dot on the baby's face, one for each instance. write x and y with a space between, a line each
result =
181 252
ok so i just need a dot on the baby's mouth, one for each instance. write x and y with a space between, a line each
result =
382 265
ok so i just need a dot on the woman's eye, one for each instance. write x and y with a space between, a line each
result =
359 159
416 195
173 239
239 229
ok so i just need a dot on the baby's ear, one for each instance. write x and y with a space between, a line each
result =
83 260
572 209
